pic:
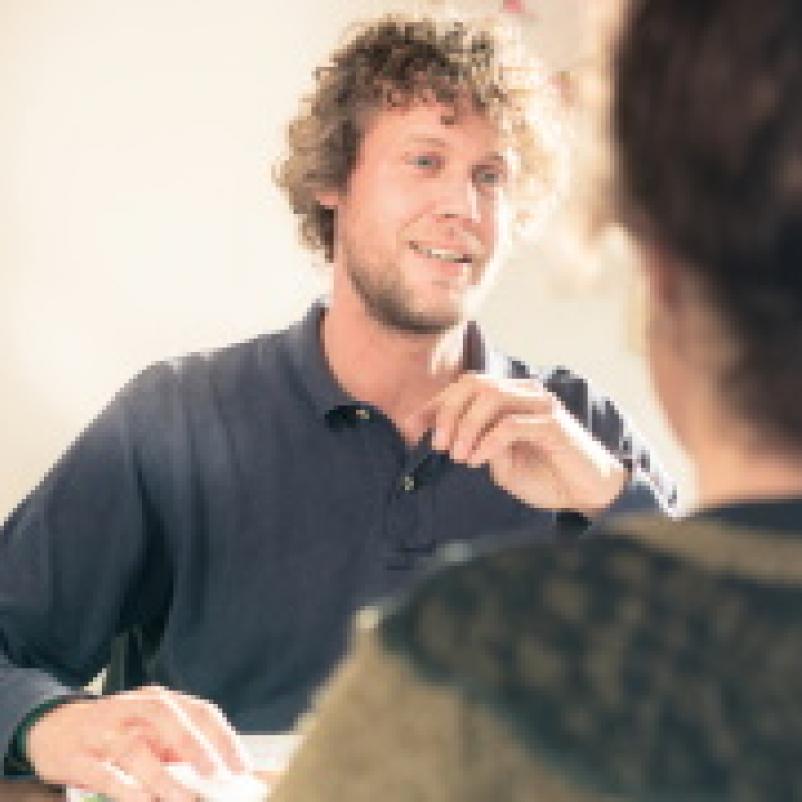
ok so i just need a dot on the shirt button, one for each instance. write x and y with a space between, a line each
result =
362 413
408 483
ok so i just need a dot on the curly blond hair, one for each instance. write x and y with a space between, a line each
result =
397 60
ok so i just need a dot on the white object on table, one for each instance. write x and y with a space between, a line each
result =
269 752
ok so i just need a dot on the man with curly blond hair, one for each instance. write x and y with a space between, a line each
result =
662 660
217 527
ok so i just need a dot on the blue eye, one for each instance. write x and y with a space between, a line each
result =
489 177
425 161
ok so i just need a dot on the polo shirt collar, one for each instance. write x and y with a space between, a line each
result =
306 353
481 357
781 515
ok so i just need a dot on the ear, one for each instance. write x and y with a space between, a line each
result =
328 198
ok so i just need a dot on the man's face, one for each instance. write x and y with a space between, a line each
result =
420 221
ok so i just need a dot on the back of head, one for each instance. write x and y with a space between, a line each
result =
655 662
708 125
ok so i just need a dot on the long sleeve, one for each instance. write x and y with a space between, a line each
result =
649 488
70 555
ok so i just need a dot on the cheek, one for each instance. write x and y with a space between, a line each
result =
380 214
497 227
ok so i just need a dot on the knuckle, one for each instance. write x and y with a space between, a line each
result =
551 428
214 714
529 388
188 741
507 425
450 405
203 704
486 393
150 707
483 381
126 745
205 711
551 403
146 691
491 386
163 695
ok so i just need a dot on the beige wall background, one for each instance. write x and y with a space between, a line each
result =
137 219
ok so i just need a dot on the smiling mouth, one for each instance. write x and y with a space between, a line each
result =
442 254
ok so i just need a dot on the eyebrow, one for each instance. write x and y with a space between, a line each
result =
436 141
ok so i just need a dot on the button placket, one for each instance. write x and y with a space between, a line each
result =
407 483
408 523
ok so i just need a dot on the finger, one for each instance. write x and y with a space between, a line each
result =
425 418
450 407
222 737
104 778
140 762
480 415
171 730
421 421
536 431
487 409
445 410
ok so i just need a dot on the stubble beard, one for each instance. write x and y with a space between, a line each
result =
391 304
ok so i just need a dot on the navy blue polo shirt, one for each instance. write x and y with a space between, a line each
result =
217 526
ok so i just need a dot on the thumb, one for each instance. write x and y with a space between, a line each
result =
419 422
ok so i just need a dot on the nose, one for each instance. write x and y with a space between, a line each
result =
458 198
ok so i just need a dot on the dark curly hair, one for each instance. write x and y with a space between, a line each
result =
707 118
394 61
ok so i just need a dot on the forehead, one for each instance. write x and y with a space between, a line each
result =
451 126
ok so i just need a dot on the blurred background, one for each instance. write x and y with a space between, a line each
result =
138 219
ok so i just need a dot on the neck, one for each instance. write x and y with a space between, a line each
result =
741 465
691 352
393 370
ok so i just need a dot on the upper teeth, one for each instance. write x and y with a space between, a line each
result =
441 253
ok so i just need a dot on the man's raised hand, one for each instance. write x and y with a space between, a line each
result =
534 448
